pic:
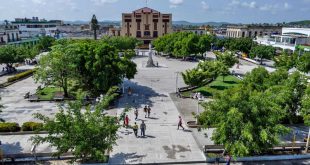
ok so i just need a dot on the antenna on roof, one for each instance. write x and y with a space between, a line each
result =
146 2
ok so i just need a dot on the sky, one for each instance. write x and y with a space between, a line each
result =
233 11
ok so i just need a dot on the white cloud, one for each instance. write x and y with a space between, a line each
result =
238 3
286 6
39 2
175 3
101 2
205 6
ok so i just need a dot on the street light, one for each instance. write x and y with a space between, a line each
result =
176 82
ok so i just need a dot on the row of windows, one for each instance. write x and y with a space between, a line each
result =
40 26
147 34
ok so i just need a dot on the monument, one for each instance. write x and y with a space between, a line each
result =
150 62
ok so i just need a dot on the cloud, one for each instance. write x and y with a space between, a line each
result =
101 2
238 3
205 6
175 3
39 2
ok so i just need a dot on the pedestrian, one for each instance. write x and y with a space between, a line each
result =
129 91
126 121
135 129
143 128
180 123
228 159
136 113
145 110
148 111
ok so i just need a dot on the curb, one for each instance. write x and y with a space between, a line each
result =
23 133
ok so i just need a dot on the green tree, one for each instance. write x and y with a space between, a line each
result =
10 55
240 44
45 43
94 26
88 135
257 79
303 63
247 122
58 67
285 60
305 111
122 43
194 77
262 52
228 58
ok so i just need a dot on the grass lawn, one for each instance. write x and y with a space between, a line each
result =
48 93
215 86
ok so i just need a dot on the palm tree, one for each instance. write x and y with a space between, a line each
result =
94 26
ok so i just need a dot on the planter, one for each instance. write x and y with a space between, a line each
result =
193 124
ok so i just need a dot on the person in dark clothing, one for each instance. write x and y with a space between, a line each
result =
148 111
143 128
180 123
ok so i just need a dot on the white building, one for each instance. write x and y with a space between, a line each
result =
34 27
9 34
289 39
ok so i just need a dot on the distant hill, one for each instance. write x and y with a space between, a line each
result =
79 22
186 23
304 23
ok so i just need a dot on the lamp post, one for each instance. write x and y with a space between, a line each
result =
307 145
176 82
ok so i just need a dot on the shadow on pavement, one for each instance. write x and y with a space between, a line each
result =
141 96
120 158
12 148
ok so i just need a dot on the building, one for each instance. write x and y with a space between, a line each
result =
252 31
146 24
114 31
198 31
8 34
33 27
289 39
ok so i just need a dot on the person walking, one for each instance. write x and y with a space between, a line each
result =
143 128
228 159
180 123
148 111
126 121
135 129
136 113
145 110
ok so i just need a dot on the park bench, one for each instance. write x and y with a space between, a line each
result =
59 96
33 98
26 96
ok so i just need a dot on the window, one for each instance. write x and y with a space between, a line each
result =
155 34
155 25
147 27
147 33
138 34
138 26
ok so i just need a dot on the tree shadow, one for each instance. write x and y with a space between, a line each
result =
141 96
153 118
11 148
121 158
219 87
230 82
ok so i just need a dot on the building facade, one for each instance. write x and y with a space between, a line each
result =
33 27
9 34
252 31
289 39
146 24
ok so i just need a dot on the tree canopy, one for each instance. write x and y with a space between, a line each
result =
262 52
87 134
95 64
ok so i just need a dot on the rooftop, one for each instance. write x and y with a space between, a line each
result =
146 10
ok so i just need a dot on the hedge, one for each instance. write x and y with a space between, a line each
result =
9 127
32 126
21 75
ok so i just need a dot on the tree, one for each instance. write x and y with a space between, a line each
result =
10 55
194 77
262 52
228 58
88 135
222 70
303 63
286 61
45 43
94 26
257 79
58 67
305 111
247 122
240 44
122 43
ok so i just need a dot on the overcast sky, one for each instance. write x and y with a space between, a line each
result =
234 11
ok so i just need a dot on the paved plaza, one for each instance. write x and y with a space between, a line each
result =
163 143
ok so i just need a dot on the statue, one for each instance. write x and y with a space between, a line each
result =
150 62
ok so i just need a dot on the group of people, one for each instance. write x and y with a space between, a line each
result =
147 111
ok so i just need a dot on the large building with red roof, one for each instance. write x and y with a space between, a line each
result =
146 24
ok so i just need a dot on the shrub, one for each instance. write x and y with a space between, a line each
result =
32 126
9 127
21 75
